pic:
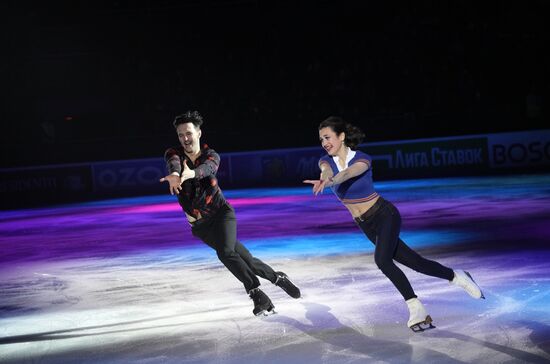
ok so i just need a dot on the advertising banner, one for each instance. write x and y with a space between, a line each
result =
21 187
520 149
128 176
516 152
429 158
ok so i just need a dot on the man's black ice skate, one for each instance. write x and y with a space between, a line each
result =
262 303
284 282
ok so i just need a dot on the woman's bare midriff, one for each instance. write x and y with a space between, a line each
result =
358 209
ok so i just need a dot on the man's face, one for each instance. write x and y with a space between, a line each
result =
189 137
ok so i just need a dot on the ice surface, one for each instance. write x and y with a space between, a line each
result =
124 281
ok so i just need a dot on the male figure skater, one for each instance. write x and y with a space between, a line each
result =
192 177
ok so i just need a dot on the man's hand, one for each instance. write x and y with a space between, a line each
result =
174 181
318 185
187 173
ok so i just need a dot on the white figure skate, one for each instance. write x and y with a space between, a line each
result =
419 320
464 280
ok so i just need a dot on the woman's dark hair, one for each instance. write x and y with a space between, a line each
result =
354 135
189 117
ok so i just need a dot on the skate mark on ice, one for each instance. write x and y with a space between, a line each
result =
326 327
515 353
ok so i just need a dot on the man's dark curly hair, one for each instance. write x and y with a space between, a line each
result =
189 117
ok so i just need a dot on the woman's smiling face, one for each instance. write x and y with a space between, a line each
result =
330 141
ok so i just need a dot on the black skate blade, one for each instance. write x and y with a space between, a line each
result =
266 312
270 310
420 327
423 326
469 275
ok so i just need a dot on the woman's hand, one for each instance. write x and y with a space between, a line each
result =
318 185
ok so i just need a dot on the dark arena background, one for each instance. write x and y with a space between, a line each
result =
97 260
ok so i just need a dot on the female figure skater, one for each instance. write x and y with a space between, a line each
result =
348 172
